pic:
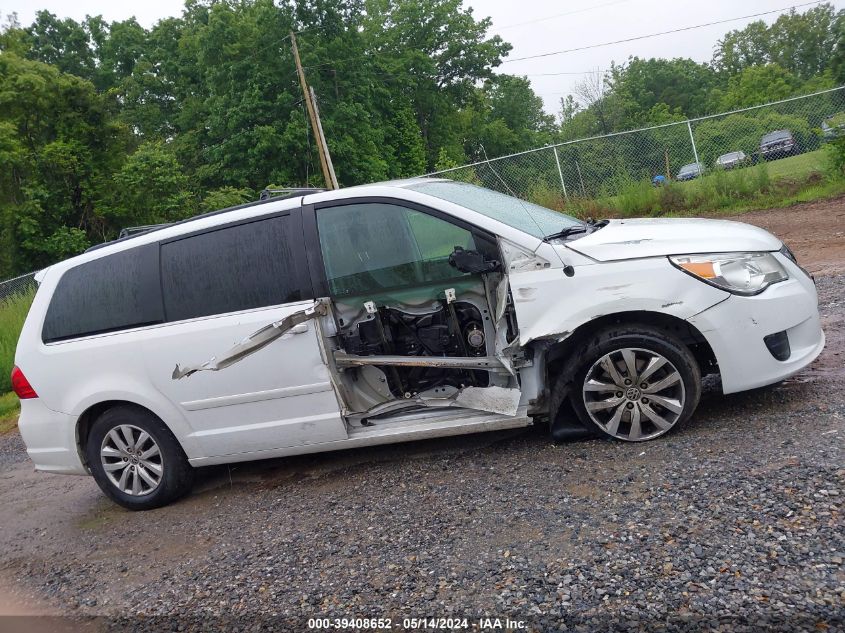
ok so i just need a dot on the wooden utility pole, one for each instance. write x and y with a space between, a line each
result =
322 139
316 127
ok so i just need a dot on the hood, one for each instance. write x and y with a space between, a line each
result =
631 239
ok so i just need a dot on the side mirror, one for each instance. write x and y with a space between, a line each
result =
472 262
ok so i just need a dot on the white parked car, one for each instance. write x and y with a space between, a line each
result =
732 160
387 313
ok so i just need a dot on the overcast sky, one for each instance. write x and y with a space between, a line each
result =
532 26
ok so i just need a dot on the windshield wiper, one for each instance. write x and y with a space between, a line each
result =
588 227
569 230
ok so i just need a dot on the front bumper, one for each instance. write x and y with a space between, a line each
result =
777 151
50 438
736 329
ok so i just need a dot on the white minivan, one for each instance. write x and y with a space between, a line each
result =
386 313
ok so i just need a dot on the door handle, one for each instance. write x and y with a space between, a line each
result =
299 329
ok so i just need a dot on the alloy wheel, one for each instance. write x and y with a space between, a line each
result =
634 394
132 460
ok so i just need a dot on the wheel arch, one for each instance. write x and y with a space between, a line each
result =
559 352
90 415
558 370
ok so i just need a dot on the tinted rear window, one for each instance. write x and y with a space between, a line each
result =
111 293
234 268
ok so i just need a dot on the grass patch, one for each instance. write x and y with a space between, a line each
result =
13 311
10 408
639 198
797 166
784 195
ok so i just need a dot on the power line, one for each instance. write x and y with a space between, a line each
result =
574 72
557 15
643 37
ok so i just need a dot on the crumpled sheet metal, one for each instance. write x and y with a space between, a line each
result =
252 343
493 399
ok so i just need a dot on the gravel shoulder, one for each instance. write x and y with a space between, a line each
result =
734 522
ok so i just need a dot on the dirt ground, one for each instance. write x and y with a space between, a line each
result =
814 231
498 524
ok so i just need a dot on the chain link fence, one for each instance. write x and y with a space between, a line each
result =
15 298
602 166
17 287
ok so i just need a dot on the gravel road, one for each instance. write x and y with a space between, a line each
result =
734 522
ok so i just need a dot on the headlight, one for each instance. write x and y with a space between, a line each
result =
786 252
740 273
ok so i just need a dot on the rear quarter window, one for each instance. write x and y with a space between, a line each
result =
229 269
111 293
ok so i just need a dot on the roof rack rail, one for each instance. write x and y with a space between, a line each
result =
288 192
137 230
132 232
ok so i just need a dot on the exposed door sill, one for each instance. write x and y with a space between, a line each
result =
439 422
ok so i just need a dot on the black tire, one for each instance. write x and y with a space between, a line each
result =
644 339
177 476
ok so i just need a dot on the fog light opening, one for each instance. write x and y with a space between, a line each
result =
778 344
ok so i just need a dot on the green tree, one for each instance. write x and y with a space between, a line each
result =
59 142
14 39
150 188
756 85
225 197
512 100
405 143
837 58
682 85
802 43
64 44
437 51
118 47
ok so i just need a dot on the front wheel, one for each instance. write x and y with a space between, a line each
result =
136 460
635 383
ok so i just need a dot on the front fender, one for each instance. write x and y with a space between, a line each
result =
551 305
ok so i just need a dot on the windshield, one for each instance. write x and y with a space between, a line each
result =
731 156
686 169
526 216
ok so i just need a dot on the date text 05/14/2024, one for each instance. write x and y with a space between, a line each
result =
419 624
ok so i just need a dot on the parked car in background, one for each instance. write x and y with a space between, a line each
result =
387 313
688 172
778 144
833 126
731 160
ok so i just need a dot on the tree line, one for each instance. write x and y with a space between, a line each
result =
108 125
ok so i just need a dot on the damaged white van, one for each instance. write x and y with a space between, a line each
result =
387 313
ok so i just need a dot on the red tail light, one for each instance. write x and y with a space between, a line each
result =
21 386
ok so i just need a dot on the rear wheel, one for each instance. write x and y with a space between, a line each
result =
136 460
635 383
